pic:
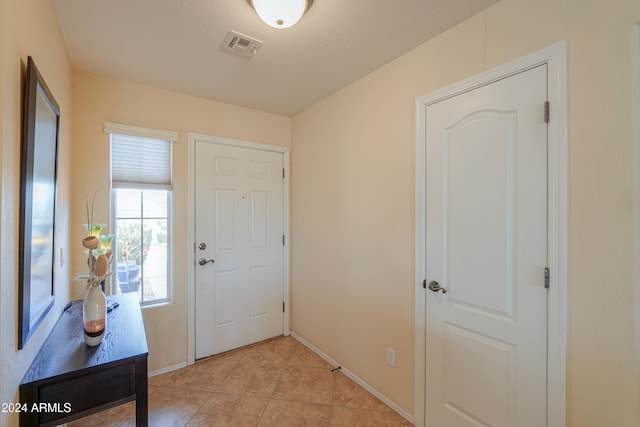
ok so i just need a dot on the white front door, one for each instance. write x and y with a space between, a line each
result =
486 234
239 246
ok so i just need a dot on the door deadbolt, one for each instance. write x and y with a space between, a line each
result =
435 287
202 246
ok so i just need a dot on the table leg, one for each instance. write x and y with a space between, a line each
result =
142 407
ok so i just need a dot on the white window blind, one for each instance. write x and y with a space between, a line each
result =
140 162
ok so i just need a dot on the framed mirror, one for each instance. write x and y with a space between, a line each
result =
41 124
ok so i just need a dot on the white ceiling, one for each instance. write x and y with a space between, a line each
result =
175 44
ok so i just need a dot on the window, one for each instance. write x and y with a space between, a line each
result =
141 211
142 242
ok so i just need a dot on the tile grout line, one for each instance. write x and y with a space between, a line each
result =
333 395
198 410
235 363
277 382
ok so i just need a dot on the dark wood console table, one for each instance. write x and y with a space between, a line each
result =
69 380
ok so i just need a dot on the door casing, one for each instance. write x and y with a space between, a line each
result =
191 229
555 58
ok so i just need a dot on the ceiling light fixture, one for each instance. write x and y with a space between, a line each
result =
280 13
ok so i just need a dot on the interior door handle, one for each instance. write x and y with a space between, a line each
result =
435 287
203 261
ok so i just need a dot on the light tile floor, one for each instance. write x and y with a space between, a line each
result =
276 383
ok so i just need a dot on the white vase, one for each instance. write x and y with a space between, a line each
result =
94 315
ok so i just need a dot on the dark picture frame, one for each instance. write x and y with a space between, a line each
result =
38 189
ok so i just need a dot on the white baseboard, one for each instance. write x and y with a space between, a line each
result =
167 369
404 414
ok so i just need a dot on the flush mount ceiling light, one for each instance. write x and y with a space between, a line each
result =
280 13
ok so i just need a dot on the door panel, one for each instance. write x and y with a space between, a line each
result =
239 216
465 351
486 240
225 218
259 219
225 298
478 204
259 292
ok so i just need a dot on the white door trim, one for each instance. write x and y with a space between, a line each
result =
191 228
558 163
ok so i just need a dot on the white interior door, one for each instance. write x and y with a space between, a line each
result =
486 234
239 246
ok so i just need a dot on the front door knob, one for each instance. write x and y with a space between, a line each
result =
203 261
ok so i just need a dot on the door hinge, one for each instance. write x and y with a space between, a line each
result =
546 111
282 173
283 240
283 307
546 277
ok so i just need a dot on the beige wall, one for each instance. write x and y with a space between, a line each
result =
98 99
27 27
353 201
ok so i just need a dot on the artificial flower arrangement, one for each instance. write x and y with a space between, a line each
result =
98 254
94 309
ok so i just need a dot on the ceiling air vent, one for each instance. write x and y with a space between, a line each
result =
240 44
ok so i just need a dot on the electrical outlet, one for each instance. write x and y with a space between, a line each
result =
391 357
